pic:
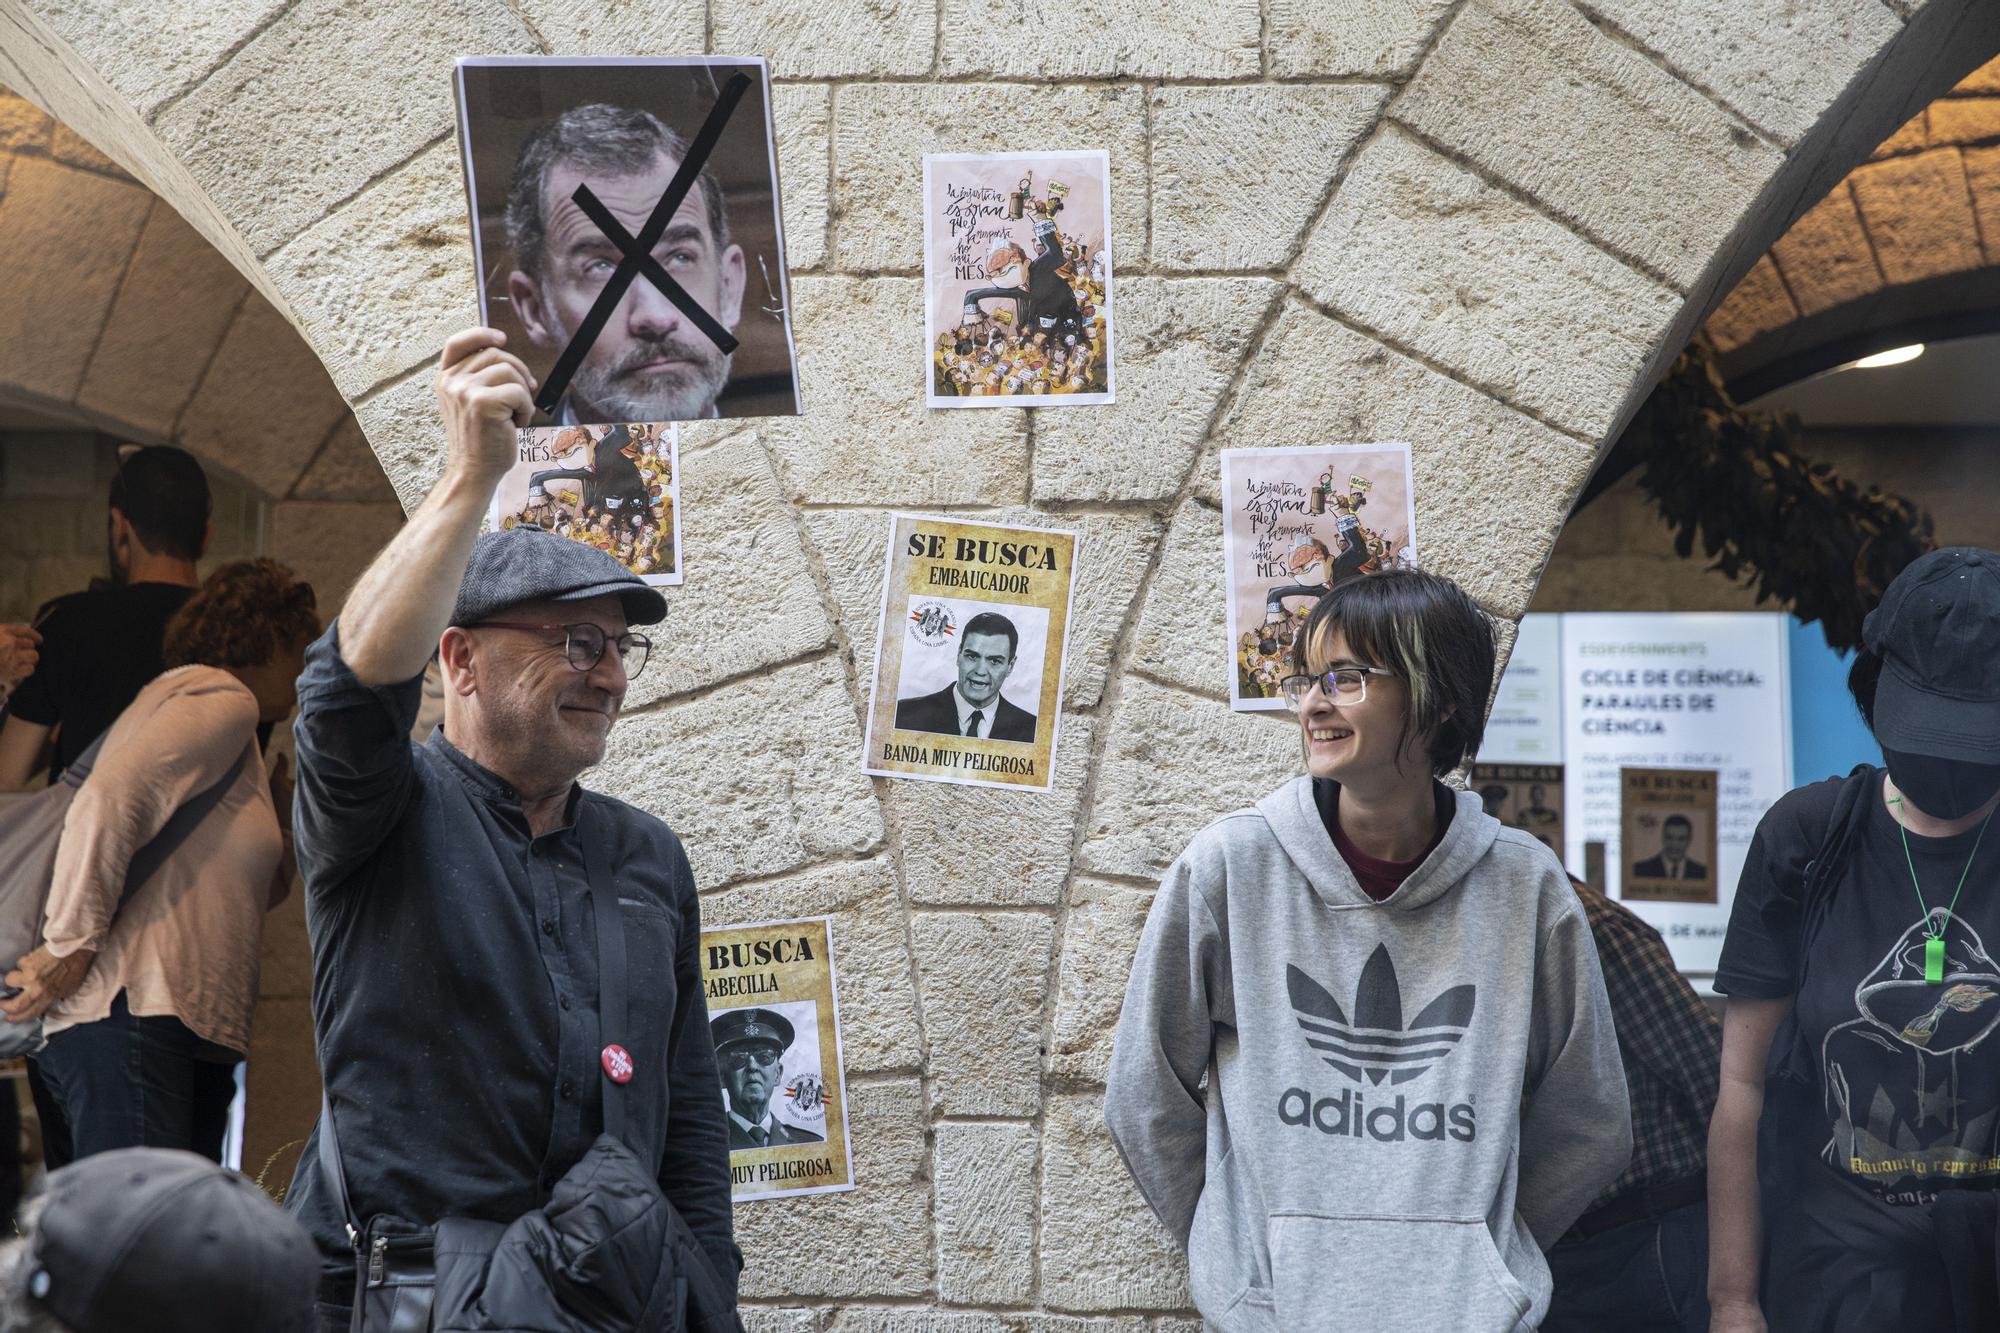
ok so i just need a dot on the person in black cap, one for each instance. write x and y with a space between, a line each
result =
449 885
151 1240
750 1045
1863 990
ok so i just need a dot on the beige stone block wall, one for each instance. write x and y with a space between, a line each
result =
1476 225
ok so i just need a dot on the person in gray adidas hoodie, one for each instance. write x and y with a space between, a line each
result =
1366 1066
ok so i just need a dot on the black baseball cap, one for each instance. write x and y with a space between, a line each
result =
1937 632
528 564
153 1240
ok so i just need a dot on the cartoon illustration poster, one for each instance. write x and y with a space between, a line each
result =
613 487
774 1015
1296 521
969 658
1017 279
1668 834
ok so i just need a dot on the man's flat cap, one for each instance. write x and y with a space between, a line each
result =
529 565
734 1027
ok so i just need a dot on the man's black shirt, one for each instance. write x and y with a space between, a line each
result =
1903 1070
455 981
99 648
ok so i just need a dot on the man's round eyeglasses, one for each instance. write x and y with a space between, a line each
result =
584 644
1343 685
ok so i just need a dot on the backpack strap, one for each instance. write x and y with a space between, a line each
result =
612 1015
1845 815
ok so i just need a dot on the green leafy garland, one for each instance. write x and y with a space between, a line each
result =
1804 535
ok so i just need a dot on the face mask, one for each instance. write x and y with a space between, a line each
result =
1942 788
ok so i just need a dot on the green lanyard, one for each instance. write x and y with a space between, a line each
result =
1934 944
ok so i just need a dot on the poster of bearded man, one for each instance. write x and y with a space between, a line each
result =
1017 279
1296 522
567 161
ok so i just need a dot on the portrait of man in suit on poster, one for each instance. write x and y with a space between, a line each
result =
1672 862
974 705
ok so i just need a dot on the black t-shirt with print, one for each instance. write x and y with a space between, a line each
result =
1907 1072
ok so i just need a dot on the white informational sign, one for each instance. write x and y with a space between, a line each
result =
1665 690
1526 725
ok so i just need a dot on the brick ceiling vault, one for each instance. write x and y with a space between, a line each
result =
1480 226
1907 243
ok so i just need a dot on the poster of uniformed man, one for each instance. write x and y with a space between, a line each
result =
1528 797
1017 279
613 487
1296 521
567 160
1667 834
968 670
774 1017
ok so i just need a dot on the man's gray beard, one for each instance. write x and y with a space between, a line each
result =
680 396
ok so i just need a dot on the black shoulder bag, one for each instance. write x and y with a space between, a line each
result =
470 1276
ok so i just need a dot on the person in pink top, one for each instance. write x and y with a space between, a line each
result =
147 1007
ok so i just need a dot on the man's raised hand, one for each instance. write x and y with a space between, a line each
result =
486 394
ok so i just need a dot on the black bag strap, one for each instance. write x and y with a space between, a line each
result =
611 1017
177 829
329 1166
1845 816
611 1003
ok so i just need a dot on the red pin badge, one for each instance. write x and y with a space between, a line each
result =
617 1063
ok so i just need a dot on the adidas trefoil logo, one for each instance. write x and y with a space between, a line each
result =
1375 1042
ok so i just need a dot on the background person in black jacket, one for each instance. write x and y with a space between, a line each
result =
973 707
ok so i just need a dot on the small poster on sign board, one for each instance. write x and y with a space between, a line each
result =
1528 797
1667 834
774 1017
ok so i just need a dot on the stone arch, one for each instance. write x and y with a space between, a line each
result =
123 319
1480 225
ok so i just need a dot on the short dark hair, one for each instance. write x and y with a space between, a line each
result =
1672 820
244 615
163 494
598 137
992 622
1427 630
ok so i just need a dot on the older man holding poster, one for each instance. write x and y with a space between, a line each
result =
506 966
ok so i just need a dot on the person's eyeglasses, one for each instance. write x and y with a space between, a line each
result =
1343 685
584 644
742 1057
